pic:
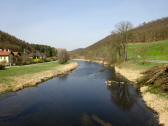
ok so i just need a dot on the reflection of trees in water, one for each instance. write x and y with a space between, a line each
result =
93 120
64 77
122 96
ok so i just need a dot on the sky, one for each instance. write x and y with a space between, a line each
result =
74 24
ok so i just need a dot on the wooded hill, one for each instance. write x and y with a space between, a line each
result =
146 32
8 41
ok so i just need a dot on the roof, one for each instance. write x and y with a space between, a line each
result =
16 53
4 53
37 53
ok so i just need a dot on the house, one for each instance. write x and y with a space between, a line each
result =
16 57
37 55
6 56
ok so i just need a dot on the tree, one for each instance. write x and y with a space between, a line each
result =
50 52
63 56
123 31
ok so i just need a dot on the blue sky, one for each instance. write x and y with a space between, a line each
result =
74 24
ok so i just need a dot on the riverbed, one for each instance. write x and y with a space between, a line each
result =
80 98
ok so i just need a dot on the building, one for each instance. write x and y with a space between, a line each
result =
16 58
37 55
6 57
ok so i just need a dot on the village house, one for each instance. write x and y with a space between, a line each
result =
16 57
6 57
37 55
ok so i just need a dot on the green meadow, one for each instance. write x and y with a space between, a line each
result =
148 51
11 72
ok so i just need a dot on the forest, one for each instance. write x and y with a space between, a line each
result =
8 41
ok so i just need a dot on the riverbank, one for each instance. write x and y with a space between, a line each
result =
94 61
19 77
154 101
132 71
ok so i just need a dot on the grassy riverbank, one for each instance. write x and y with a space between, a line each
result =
18 77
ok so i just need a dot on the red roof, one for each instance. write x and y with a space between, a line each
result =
4 53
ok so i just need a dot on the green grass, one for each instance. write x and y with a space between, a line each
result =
149 51
7 74
135 64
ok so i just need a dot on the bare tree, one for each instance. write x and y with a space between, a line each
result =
123 31
63 56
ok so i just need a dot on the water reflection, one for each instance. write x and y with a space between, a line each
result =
93 120
122 96
126 98
63 77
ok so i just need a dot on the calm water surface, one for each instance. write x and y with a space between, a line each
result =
78 99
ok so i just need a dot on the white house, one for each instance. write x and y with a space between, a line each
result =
6 56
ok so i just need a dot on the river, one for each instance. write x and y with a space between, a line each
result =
80 98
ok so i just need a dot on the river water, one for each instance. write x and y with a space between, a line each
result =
78 99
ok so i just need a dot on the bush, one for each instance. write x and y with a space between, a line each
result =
48 60
54 58
27 62
2 65
23 61
63 56
37 60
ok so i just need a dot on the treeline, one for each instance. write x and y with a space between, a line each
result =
151 31
113 47
44 49
8 41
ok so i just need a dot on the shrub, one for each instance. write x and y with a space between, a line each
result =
2 65
37 60
48 60
23 61
54 58
27 62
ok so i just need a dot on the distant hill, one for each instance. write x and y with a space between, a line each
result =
8 41
147 32
77 50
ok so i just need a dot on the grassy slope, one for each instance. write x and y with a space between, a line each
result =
151 51
146 51
137 65
24 70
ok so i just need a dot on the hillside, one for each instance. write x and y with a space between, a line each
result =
8 41
147 32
